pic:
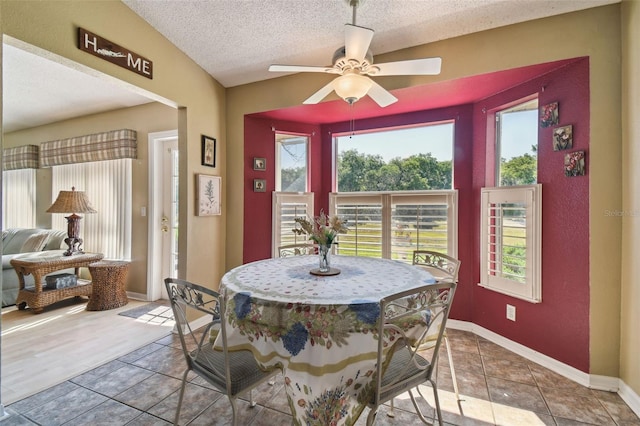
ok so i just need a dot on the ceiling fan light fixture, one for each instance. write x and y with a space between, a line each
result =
351 87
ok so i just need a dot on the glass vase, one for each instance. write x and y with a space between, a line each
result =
324 253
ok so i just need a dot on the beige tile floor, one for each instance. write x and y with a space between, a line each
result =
497 388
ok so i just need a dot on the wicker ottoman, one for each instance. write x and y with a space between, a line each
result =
109 279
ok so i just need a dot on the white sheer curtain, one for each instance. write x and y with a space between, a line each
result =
107 184
19 198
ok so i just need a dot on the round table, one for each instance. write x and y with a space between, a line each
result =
322 330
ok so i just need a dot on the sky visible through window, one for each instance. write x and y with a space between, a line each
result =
519 133
436 139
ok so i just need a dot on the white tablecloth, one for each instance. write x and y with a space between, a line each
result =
321 330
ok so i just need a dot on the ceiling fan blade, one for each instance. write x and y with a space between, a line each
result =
427 66
320 94
380 95
356 41
298 68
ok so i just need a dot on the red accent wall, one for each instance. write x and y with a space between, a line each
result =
260 142
559 326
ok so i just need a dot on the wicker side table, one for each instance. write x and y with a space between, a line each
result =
109 279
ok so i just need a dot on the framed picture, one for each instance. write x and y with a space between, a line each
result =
259 185
208 195
562 138
259 163
208 151
549 115
574 164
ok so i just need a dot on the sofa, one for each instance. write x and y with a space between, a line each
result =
16 242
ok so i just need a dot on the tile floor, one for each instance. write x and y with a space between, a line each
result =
497 387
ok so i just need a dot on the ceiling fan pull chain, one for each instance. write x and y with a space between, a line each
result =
352 121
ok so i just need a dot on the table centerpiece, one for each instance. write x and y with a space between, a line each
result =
322 230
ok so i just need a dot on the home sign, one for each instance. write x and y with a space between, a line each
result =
111 52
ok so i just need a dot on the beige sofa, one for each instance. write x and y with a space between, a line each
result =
16 242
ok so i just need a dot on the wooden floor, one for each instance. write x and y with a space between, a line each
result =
39 351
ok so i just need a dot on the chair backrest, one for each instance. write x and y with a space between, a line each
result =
296 249
408 320
188 301
441 266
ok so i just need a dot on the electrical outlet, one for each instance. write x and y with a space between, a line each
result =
511 312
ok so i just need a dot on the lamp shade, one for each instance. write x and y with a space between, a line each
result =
352 87
71 202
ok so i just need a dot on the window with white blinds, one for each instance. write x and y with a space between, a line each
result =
510 238
392 225
286 207
19 198
108 186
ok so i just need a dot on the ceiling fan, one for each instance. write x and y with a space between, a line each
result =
354 63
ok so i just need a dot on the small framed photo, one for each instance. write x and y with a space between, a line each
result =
574 164
208 151
259 163
259 185
549 115
562 138
208 195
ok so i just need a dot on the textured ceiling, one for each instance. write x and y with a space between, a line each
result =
236 40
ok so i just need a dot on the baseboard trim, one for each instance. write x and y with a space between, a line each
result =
593 381
137 296
631 398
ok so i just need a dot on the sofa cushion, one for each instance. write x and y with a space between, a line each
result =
35 242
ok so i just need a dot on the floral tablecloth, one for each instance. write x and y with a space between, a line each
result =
321 330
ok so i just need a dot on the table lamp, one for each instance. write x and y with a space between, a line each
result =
72 202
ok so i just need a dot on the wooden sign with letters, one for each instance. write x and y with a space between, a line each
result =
103 48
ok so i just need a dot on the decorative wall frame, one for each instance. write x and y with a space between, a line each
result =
563 138
208 151
259 185
208 195
574 164
259 163
549 115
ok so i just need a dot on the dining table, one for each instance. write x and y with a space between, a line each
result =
321 330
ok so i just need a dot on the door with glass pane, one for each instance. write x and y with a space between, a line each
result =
169 218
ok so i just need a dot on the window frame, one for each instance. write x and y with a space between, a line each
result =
520 104
336 151
278 160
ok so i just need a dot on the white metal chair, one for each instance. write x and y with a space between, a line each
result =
409 318
297 249
444 269
232 373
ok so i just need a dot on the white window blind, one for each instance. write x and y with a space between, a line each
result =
286 207
510 238
19 198
392 225
108 186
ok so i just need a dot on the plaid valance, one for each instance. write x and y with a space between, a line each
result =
20 157
97 147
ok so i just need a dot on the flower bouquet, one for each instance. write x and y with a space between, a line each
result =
322 230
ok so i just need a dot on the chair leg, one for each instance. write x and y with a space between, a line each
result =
417 407
372 416
437 400
252 403
184 384
451 367
391 413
